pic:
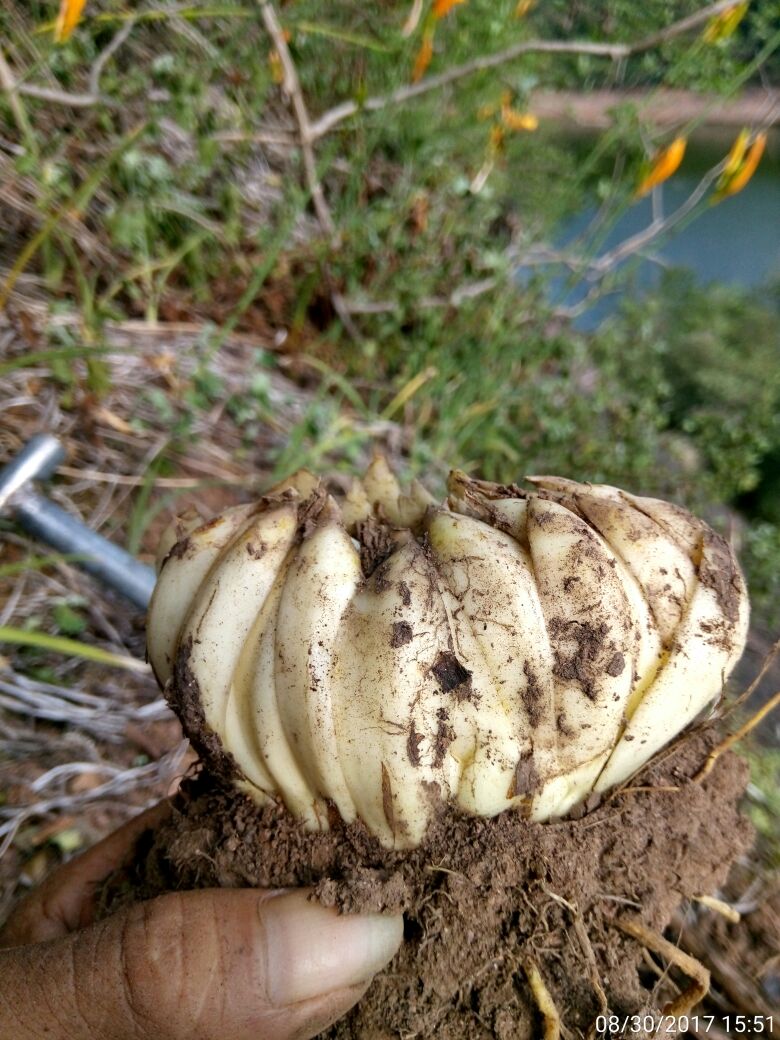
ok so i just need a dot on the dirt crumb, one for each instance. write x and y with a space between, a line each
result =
402 634
452 676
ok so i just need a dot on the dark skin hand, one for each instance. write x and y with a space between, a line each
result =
219 964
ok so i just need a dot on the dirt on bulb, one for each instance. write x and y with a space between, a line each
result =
484 901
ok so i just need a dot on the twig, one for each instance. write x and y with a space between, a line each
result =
99 716
54 96
96 475
614 51
458 296
292 86
272 135
60 97
119 782
655 228
105 56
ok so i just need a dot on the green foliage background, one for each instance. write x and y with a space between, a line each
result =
185 203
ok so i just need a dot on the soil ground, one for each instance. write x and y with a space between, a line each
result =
483 899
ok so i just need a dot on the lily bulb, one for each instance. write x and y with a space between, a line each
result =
380 653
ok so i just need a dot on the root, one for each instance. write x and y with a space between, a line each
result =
695 970
545 1003
724 909
734 738
593 971
585 945
750 690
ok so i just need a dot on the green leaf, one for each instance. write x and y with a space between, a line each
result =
98 376
71 648
68 620
67 841
354 39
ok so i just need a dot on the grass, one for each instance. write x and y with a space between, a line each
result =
69 647
764 800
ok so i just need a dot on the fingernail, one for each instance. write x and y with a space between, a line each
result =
312 950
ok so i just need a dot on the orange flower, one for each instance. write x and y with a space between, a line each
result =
743 172
662 166
496 140
514 120
735 156
442 7
725 24
423 59
68 18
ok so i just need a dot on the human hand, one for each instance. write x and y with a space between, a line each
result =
219 964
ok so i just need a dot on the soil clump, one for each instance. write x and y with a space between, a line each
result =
482 899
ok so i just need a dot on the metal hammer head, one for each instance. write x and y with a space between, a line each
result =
46 521
36 461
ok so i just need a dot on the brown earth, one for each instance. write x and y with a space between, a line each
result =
594 110
482 899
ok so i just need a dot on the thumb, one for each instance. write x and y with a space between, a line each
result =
219 965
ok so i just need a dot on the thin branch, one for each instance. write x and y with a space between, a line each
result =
455 299
597 270
118 783
292 86
105 56
655 228
54 96
104 717
272 135
614 51
59 97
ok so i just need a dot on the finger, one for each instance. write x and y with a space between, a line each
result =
65 900
218 964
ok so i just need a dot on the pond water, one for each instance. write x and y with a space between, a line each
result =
736 242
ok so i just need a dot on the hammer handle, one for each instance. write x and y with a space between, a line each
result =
117 568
